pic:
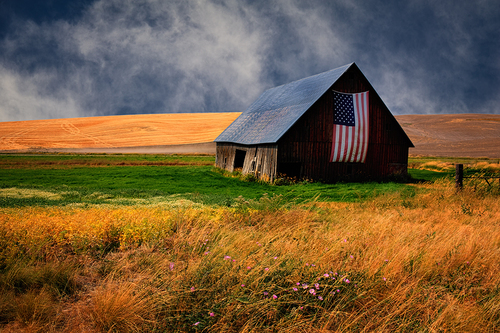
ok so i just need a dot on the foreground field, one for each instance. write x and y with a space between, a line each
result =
422 260
136 243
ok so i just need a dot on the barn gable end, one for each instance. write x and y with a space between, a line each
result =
289 130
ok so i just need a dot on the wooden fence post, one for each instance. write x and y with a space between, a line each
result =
459 176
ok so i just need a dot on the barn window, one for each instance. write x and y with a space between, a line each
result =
239 158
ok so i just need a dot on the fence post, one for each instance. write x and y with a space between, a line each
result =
459 176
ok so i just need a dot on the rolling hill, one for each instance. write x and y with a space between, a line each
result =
148 133
457 135
454 135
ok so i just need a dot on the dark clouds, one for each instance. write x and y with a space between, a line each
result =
151 56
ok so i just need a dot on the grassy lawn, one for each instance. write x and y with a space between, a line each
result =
97 179
83 247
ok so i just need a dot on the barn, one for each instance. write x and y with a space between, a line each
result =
329 127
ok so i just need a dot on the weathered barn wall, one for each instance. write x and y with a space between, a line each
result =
307 145
259 160
303 148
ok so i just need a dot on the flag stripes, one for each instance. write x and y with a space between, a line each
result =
350 129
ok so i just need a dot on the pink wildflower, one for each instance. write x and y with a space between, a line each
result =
211 314
294 289
275 297
312 291
192 289
320 298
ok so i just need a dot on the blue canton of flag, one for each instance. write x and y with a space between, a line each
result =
344 110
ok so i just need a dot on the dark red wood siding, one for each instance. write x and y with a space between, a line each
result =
306 146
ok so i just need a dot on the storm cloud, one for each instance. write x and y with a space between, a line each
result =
152 56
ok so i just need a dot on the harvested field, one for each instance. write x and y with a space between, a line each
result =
153 133
453 135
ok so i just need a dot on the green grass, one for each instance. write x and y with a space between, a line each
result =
68 160
79 181
197 183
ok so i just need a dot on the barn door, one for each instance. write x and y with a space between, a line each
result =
239 159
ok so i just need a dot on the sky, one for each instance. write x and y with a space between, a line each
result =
79 58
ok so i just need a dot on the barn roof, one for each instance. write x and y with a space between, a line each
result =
277 109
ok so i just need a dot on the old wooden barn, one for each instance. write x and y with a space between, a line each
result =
328 127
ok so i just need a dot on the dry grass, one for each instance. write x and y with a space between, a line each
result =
420 260
114 131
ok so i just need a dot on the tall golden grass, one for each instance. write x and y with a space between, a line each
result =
425 259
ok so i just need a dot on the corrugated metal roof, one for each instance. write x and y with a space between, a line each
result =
277 109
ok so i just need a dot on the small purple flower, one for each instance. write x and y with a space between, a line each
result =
384 279
326 275
275 258
211 314
347 281
351 257
193 289
242 285
266 293
171 266
275 297
266 269
298 283
227 257
320 298
248 267
294 289
196 324
316 285
312 291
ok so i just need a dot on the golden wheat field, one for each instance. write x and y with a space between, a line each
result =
114 131
424 260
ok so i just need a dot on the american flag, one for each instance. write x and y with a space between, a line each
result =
350 129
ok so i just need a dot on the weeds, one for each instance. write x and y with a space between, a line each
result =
419 258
